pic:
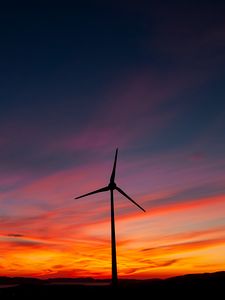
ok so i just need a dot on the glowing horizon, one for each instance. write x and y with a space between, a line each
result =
72 240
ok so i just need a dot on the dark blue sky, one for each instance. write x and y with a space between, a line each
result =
147 77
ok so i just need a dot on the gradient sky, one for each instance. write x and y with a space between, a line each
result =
78 81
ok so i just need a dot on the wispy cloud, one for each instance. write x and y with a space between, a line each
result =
15 235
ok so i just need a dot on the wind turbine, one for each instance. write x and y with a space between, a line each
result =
111 187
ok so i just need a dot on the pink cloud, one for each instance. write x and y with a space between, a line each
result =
131 111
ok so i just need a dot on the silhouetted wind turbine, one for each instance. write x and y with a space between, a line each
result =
110 187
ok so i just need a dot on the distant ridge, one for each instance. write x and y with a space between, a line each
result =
31 280
178 279
190 286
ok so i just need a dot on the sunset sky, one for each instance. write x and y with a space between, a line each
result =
78 81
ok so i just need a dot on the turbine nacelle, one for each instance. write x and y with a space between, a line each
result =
112 185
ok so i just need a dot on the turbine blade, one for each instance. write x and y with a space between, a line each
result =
104 189
124 194
112 178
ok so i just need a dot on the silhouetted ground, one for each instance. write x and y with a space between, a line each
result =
183 287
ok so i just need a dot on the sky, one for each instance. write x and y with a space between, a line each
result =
79 80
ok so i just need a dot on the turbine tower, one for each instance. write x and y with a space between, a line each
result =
111 187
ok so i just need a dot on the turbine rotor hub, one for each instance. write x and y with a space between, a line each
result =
112 185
